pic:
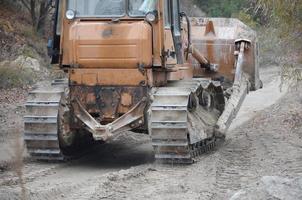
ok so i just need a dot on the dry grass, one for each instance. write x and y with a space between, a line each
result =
291 76
15 76
294 120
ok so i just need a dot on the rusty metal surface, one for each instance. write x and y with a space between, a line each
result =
134 118
240 90
215 38
203 61
107 103
108 77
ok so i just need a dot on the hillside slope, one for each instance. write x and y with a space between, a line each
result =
23 53
17 36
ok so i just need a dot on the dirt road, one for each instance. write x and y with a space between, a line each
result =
262 154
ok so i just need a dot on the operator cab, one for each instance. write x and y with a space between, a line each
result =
116 9
164 21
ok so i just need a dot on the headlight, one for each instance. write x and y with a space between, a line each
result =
151 16
70 14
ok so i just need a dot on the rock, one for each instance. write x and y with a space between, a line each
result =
27 63
272 187
283 188
239 195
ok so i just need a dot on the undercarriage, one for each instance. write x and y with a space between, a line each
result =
182 120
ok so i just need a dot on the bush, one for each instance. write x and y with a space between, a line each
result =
285 16
247 18
29 52
291 74
15 76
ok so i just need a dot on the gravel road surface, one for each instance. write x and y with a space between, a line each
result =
260 159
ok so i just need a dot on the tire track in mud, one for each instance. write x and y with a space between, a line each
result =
80 189
33 173
264 146
9 186
63 182
282 146
233 166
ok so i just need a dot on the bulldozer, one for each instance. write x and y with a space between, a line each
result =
143 66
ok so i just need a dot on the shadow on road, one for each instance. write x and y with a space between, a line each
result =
126 151
118 154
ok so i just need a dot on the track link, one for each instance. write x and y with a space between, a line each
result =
41 122
180 134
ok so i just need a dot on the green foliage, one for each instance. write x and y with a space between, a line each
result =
229 8
247 18
286 17
281 12
29 52
15 76
218 8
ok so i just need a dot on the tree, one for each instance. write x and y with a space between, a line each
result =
39 11
218 8
288 12
286 15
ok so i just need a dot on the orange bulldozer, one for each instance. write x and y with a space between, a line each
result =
141 66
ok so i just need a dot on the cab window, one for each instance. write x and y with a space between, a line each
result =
98 8
141 7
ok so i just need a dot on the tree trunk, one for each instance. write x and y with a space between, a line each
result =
40 28
39 10
33 12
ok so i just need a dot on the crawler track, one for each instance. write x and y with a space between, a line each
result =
182 125
41 122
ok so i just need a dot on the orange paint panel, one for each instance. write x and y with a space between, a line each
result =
107 77
222 53
89 78
100 52
100 44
